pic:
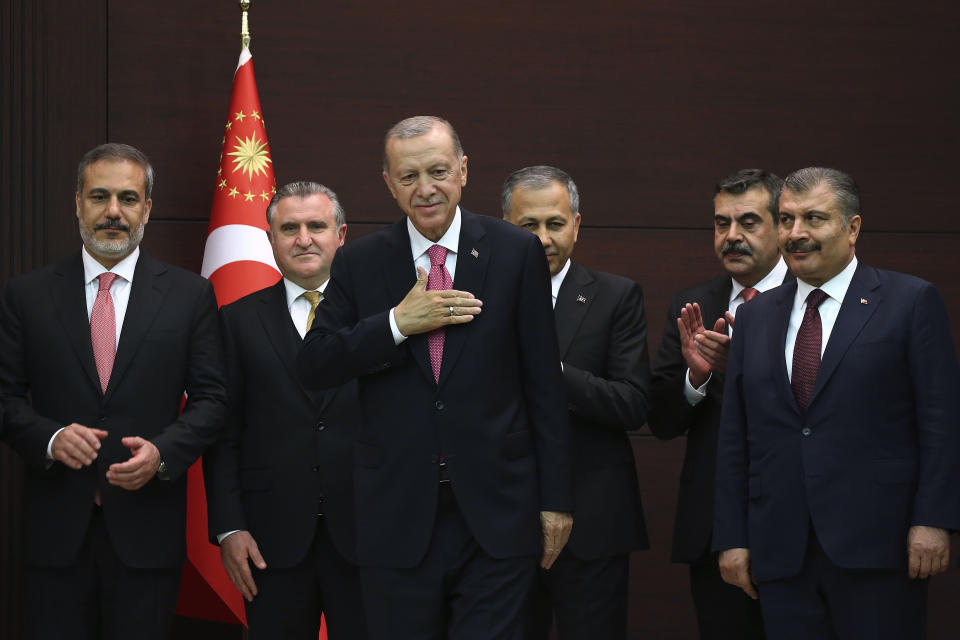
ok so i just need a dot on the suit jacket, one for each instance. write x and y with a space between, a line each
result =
672 416
606 371
497 416
287 452
878 450
169 343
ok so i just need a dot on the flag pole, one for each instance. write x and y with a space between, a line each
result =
244 24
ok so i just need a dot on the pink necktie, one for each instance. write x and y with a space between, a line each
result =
103 330
749 294
439 278
806 350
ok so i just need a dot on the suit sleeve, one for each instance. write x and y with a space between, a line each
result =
200 422
671 415
221 463
618 400
935 374
543 383
25 430
342 346
730 507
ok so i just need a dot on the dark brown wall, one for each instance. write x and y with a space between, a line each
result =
645 104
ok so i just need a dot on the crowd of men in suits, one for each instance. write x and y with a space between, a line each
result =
423 433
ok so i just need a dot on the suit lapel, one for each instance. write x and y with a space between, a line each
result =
573 300
400 274
147 292
473 253
777 338
850 321
283 337
69 298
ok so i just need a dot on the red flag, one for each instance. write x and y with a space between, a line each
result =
238 260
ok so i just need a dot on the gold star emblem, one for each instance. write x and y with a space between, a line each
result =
233 192
255 115
219 171
250 156
229 125
273 190
264 195
239 116
222 184
248 196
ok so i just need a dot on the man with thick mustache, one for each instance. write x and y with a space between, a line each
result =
688 385
839 446
462 457
96 353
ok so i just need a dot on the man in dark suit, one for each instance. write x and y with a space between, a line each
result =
839 446
688 385
97 352
280 480
606 371
462 456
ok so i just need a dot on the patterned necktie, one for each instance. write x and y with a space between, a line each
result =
103 330
806 350
313 297
439 278
749 293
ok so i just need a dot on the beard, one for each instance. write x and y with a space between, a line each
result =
116 248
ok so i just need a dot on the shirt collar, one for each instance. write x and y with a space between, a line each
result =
294 290
125 268
770 281
557 281
836 287
450 240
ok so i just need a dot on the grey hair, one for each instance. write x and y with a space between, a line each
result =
540 176
305 189
116 152
846 193
418 126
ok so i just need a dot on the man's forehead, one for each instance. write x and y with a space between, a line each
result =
819 197
101 168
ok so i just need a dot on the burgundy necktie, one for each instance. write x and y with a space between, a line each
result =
103 330
806 350
439 278
749 293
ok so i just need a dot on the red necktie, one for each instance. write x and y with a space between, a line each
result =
749 293
806 350
103 330
439 278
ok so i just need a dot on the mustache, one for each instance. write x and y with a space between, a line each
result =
112 224
801 246
736 247
427 203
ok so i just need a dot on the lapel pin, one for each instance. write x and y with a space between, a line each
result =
863 301
581 299
474 253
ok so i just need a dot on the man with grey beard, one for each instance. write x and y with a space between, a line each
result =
688 376
96 353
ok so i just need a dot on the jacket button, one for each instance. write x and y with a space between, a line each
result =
439 405
316 468
321 426
806 431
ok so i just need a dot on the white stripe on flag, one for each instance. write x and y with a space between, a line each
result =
234 242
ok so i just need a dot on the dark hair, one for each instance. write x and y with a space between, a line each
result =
540 176
116 152
846 193
742 181
305 189
418 126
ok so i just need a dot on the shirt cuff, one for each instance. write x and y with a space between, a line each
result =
397 336
223 536
694 396
50 444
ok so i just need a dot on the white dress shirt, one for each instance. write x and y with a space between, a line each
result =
298 306
770 281
419 244
835 288
119 292
557 281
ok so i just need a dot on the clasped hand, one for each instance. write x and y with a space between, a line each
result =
422 311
